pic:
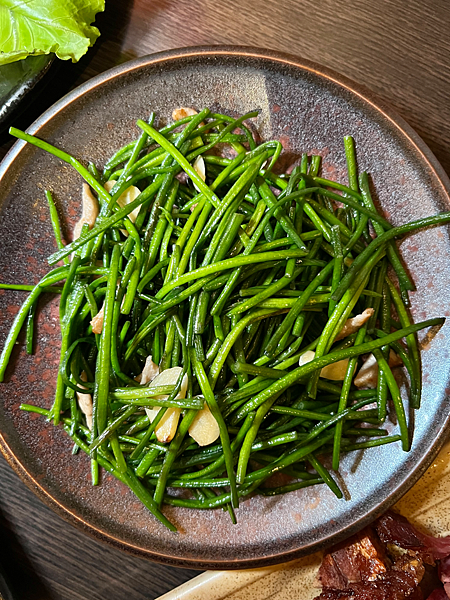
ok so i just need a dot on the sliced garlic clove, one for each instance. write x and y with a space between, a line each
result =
170 377
200 169
352 325
204 429
335 372
199 166
128 196
394 360
368 378
182 112
85 403
97 321
199 163
368 374
89 211
151 413
306 357
149 372
167 427
370 362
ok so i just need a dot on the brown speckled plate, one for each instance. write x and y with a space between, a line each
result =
309 109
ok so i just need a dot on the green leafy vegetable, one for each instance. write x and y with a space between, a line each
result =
36 27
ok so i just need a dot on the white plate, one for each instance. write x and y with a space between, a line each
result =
427 505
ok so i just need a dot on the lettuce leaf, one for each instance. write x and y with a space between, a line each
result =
32 27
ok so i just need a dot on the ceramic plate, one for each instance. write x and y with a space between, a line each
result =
309 109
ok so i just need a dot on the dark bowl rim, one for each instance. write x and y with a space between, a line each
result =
366 96
16 98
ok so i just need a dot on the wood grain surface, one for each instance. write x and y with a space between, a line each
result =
398 49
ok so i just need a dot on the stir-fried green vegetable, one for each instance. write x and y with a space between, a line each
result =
208 305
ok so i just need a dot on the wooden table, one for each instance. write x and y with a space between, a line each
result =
401 50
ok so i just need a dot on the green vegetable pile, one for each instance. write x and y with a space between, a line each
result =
44 26
232 276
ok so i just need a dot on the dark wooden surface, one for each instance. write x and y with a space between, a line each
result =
400 50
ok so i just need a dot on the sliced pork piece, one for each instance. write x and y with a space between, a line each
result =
383 562
393 528
397 532
362 558
395 584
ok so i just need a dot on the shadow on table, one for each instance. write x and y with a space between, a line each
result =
18 578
